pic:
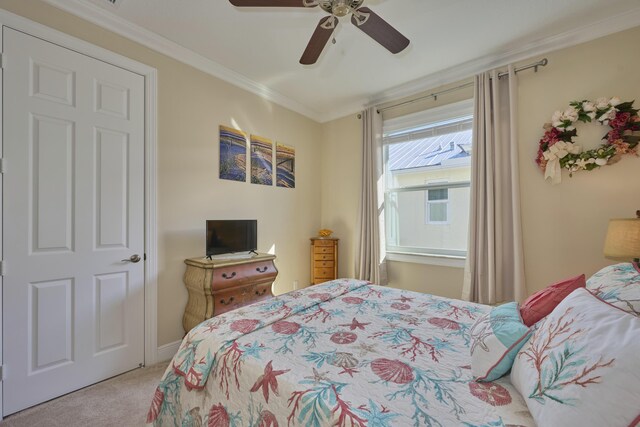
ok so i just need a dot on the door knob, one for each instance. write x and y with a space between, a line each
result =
133 258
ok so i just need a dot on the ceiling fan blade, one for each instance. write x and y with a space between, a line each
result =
274 3
379 30
318 40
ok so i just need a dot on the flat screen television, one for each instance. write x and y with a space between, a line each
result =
231 236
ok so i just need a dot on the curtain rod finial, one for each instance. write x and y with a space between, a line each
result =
359 116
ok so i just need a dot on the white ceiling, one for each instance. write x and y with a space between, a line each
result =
260 47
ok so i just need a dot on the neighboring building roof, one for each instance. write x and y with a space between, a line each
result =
433 151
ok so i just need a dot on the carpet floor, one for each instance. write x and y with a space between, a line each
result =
121 401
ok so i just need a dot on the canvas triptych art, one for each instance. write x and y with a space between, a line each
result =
261 160
233 159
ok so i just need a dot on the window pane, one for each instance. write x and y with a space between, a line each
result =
440 194
438 212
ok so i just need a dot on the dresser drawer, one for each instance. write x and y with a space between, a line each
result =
324 243
238 275
227 277
323 250
260 292
323 257
231 299
323 273
323 264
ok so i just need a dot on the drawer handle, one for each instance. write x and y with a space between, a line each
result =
262 292
262 270
230 276
227 302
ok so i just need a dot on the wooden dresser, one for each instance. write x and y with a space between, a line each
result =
219 285
324 259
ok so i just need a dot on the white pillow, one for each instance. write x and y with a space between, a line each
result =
618 284
581 366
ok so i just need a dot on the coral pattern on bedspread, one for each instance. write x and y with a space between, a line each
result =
344 353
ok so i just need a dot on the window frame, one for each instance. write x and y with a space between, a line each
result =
394 132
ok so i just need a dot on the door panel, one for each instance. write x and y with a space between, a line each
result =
112 158
51 162
50 329
73 210
111 294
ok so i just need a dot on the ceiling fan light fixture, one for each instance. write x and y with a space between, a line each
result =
340 8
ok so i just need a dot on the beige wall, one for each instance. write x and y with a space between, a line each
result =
564 226
341 183
191 106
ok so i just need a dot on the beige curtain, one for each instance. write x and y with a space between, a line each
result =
370 264
494 269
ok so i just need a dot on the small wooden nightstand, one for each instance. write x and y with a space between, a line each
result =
324 259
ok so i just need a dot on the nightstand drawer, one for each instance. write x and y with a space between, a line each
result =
322 273
323 250
323 264
323 257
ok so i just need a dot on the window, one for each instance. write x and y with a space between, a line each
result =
437 206
427 161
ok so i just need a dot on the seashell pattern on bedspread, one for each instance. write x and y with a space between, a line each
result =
344 353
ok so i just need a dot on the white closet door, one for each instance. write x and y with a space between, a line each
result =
73 209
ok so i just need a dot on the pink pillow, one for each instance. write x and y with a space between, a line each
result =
540 304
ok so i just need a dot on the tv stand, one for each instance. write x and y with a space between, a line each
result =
219 285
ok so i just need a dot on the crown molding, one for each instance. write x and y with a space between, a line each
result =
120 26
124 28
585 33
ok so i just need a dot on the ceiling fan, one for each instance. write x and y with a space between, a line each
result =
362 17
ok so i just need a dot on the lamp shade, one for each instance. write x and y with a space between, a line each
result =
623 239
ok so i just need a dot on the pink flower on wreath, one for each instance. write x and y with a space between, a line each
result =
550 137
620 120
613 135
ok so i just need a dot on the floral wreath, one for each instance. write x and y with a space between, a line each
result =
557 150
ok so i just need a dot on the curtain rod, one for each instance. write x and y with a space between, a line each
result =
542 63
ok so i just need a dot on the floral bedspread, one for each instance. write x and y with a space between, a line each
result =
344 353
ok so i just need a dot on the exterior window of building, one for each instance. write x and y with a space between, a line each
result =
427 161
438 206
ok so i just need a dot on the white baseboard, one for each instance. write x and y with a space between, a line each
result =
167 351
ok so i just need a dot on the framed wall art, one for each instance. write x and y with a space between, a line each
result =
261 150
233 154
285 166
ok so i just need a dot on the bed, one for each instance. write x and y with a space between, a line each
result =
343 353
